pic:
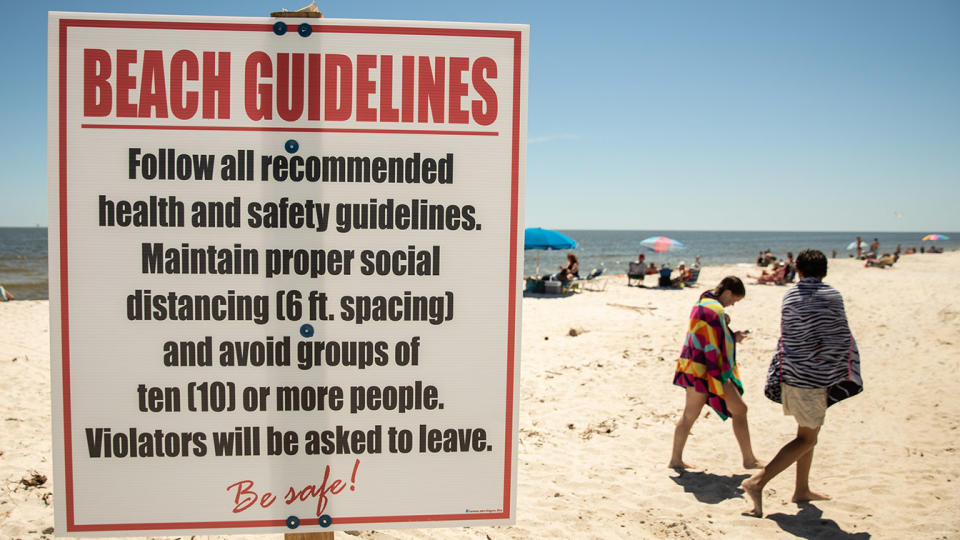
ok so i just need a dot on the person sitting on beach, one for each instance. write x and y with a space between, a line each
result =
791 268
882 262
637 269
569 271
652 270
707 370
816 364
665 272
910 251
683 274
768 257
775 276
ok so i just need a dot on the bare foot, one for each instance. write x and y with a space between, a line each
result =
807 496
680 465
753 491
755 464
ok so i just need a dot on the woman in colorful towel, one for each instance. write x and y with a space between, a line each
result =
707 369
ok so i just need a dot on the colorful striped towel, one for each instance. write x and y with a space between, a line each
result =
708 358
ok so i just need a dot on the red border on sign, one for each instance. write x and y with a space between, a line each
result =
515 36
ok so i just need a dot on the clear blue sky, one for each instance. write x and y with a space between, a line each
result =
657 115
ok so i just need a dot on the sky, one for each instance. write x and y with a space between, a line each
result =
699 115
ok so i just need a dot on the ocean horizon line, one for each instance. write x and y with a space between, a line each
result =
861 231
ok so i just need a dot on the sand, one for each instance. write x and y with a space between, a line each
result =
597 414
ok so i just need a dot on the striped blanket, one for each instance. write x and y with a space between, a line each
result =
816 348
708 358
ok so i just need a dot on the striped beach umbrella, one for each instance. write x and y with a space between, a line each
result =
935 237
661 244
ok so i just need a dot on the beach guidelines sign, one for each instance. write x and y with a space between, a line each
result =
284 263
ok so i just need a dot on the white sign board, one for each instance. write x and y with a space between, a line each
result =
284 260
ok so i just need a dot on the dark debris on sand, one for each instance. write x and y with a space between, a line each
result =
35 479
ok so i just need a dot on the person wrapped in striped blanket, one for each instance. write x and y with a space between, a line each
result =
816 365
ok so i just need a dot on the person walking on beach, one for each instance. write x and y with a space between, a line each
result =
707 369
816 364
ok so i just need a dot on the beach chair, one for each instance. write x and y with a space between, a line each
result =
636 271
591 283
694 276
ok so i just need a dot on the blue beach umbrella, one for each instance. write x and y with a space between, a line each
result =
544 239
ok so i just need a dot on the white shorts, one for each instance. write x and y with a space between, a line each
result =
807 405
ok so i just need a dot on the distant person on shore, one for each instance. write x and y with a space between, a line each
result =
707 369
859 248
665 272
880 262
875 246
569 271
760 259
637 269
816 364
683 274
696 262
775 276
791 268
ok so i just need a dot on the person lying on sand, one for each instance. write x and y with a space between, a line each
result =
776 276
707 369
816 364
882 262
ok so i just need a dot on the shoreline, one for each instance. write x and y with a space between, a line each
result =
609 272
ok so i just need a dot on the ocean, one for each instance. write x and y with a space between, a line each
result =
23 250
23 261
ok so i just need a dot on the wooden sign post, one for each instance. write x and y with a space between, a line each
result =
309 12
